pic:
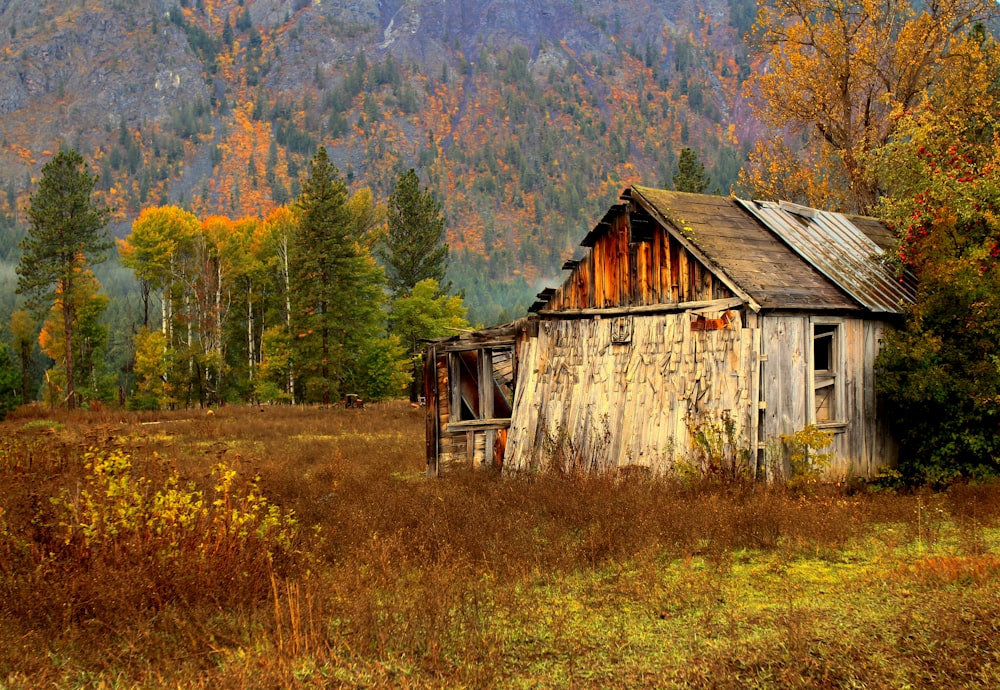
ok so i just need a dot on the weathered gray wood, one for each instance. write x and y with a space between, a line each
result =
862 442
479 424
783 340
466 345
584 402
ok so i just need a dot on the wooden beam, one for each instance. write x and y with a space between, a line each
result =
466 345
670 308
481 424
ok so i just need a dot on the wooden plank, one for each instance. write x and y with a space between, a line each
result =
784 380
432 427
667 308
469 345
480 424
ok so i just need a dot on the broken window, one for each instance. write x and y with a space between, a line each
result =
826 365
466 366
502 360
482 384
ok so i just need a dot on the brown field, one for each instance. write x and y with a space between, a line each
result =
302 548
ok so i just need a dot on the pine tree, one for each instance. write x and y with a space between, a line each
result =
690 175
337 303
9 382
414 248
65 237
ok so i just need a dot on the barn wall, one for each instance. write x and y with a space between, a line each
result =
862 441
585 400
869 444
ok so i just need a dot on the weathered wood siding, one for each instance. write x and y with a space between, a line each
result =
584 401
785 379
862 441
625 269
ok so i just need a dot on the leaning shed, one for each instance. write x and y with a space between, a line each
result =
695 328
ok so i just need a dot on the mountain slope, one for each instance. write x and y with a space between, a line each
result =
526 118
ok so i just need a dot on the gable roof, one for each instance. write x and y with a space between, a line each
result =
737 245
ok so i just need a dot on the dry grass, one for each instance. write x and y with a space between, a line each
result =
351 569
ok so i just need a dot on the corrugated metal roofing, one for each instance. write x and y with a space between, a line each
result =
840 250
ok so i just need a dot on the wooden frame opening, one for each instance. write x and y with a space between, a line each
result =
827 373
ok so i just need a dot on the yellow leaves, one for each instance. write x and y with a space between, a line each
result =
156 235
837 70
117 510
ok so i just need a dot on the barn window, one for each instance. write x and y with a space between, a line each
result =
826 373
482 384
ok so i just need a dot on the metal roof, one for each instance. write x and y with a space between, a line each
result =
840 250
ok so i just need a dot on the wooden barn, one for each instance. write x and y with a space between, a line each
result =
695 330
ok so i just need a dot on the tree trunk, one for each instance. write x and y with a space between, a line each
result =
25 369
288 312
144 290
250 338
326 354
67 310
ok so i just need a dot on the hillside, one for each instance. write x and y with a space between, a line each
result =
526 118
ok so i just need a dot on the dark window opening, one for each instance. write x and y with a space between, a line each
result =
468 385
503 381
825 393
482 384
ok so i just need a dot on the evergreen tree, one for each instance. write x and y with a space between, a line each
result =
690 175
24 332
337 303
414 248
65 237
9 382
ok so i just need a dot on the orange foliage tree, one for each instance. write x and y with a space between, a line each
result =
834 72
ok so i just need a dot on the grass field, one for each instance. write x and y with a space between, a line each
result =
302 548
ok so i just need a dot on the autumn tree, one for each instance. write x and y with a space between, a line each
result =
65 237
413 249
90 337
940 375
836 71
422 315
275 242
153 390
336 303
153 249
690 175
426 314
